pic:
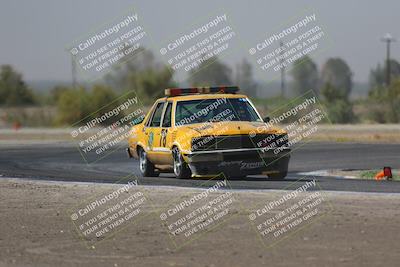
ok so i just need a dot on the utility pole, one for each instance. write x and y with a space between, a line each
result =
388 39
73 72
282 69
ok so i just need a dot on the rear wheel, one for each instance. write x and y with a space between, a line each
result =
181 169
146 167
277 175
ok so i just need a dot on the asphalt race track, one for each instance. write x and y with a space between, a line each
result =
62 162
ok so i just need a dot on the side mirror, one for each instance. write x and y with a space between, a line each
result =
267 119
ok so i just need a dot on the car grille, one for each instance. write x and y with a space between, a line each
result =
221 142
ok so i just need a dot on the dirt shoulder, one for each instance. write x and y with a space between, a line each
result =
36 230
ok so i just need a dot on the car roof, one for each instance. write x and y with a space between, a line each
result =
202 96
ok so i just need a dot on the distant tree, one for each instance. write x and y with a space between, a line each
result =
244 78
331 94
305 75
150 84
101 96
337 73
393 101
13 90
142 74
75 105
211 72
56 92
340 109
384 103
377 76
119 77
72 106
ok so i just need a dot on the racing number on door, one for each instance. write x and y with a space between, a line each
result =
166 123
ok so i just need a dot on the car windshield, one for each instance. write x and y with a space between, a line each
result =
213 110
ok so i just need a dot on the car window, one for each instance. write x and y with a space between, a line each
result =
211 110
156 119
167 116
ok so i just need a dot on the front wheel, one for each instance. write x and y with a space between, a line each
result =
146 167
181 169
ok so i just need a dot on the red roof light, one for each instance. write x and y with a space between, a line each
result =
201 90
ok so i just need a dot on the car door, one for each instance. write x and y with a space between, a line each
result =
152 132
166 135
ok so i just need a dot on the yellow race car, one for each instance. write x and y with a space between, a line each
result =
208 131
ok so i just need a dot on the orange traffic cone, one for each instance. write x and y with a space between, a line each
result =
379 176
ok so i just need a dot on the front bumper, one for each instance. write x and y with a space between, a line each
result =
238 162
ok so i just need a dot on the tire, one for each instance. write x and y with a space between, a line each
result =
277 176
145 166
181 169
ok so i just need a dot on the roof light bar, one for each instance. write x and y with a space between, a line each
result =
201 90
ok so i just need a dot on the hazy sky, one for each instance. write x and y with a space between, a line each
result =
34 34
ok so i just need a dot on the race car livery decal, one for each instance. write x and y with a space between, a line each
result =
151 140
